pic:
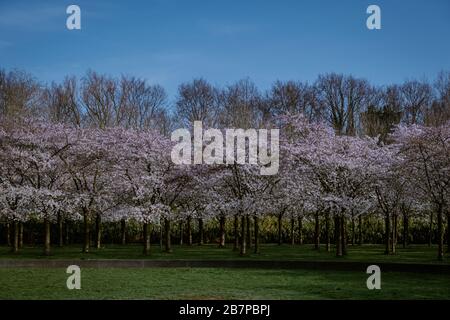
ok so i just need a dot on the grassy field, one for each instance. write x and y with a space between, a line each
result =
221 283
216 283
365 253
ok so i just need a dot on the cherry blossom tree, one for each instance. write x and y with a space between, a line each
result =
31 149
342 166
426 158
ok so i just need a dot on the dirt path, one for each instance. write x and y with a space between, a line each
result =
260 264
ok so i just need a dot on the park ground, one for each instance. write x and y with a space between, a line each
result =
364 253
223 283
217 283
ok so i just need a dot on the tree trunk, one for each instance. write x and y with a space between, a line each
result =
327 232
440 226
292 231
222 232
123 231
20 235
448 231
300 230
60 230
167 244
316 231
47 237
98 231
430 230
160 237
280 230
200 231
86 234
189 230
15 240
344 235
243 251
387 233
181 232
360 234
8 234
67 232
255 223
394 233
405 230
147 233
236 233
338 235
249 234
353 231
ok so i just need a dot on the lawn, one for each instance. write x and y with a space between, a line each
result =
222 283
364 253
217 283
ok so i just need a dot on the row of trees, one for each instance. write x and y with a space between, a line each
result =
350 105
52 172
101 153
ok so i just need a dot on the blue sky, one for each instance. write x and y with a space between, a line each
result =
168 41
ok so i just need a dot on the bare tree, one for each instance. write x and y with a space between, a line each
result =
294 97
20 94
197 101
61 101
344 98
384 113
416 98
439 111
241 105
142 105
164 122
101 99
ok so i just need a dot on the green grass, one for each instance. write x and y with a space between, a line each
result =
365 253
221 283
217 283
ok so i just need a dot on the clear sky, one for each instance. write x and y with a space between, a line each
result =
169 41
